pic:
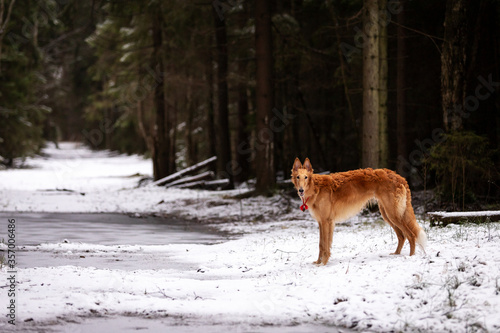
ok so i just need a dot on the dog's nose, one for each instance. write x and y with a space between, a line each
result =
301 190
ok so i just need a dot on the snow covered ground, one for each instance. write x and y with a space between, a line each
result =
261 280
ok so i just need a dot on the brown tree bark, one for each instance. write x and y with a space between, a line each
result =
264 157
371 84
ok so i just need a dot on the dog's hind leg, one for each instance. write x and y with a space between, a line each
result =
399 233
414 231
412 242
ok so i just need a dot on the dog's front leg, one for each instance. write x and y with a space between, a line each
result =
328 227
323 243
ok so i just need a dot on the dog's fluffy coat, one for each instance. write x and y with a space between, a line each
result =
339 196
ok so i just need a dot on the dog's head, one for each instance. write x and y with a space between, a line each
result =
302 176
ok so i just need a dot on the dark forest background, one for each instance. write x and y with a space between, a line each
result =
408 85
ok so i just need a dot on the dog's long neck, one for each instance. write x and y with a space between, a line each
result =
319 183
312 191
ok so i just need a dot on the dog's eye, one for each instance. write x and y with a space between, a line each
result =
305 177
298 177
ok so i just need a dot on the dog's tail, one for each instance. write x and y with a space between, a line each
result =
422 239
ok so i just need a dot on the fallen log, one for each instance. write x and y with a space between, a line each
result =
204 183
445 218
183 172
63 190
202 176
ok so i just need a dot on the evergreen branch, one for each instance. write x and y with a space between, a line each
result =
431 37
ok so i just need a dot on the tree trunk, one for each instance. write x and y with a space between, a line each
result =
264 157
401 85
243 158
1 45
371 82
142 127
161 136
189 138
210 107
453 60
171 132
224 165
384 69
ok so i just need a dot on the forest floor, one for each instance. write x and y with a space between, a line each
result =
254 272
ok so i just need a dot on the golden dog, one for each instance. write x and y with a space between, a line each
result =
339 196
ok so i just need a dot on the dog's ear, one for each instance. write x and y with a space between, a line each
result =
307 165
296 165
